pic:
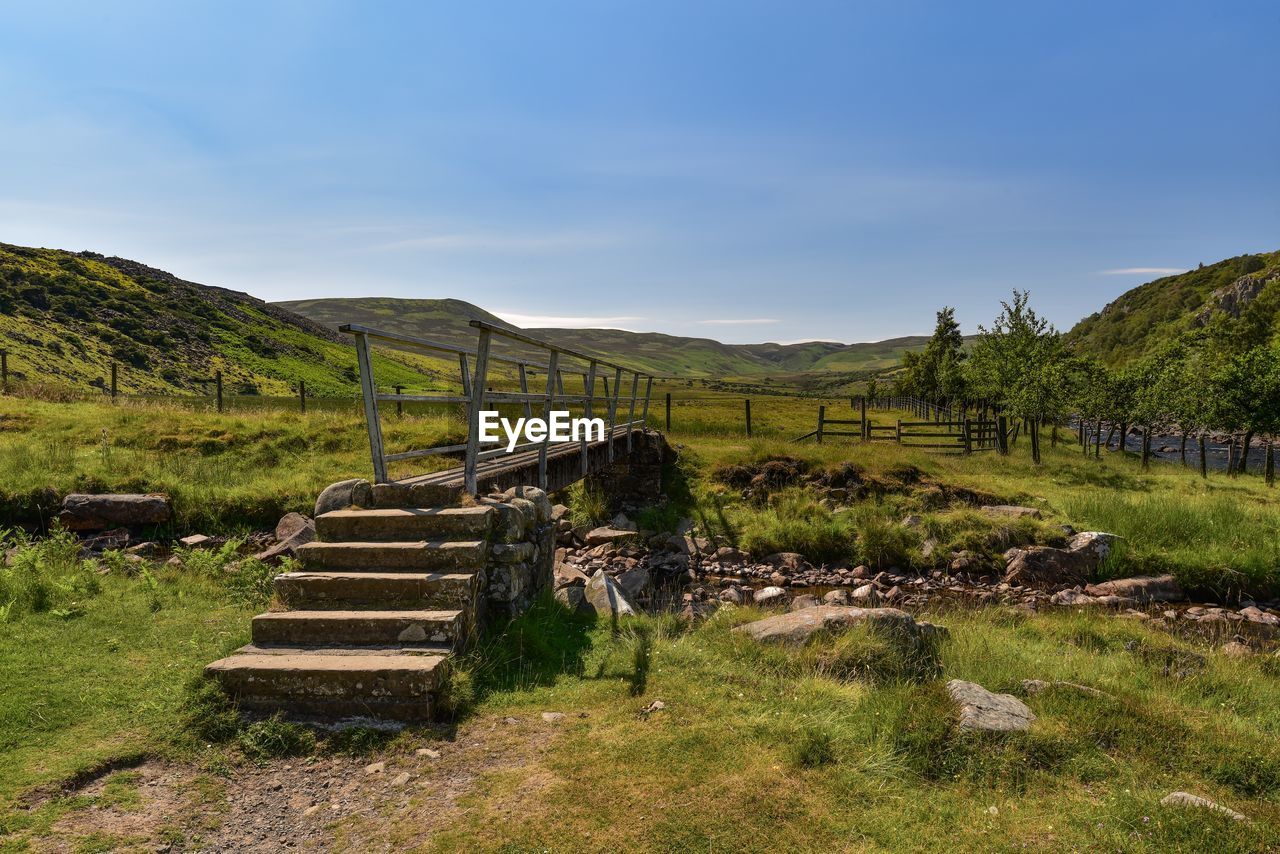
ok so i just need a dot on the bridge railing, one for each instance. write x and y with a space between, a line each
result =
474 373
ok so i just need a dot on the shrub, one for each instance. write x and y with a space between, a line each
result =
882 543
798 522
878 651
812 747
275 737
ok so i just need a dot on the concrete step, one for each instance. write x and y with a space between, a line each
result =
394 556
321 682
336 649
359 627
405 525
418 589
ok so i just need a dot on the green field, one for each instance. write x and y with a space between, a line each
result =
847 745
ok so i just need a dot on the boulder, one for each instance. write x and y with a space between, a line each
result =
605 534
196 541
770 596
787 561
794 628
543 511
100 512
730 555
567 575
1097 544
836 597
356 492
606 597
803 601
573 598
634 580
1011 511
864 593
986 711
732 595
622 523
1159 588
292 532
1188 800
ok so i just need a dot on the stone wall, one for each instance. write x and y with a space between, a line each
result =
635 480
521 551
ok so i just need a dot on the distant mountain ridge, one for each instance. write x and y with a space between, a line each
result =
445 320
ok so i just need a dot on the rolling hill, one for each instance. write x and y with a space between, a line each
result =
446 320
65 317
1240 290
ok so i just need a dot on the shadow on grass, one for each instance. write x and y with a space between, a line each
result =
546 641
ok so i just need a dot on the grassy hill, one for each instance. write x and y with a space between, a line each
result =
65 317
445 320
1245 288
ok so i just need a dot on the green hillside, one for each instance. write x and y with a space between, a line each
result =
1241 290
65 317
445 320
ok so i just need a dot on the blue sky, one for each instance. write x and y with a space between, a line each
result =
742 170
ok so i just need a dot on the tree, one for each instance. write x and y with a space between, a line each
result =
936 373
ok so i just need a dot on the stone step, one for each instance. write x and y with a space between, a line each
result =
337 649
405 525
322 682
419 589
359 627
394 556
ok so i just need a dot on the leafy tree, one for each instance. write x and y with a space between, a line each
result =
936 373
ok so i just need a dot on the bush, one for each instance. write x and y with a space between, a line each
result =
882 543
276 738
812 747
798 522
879 652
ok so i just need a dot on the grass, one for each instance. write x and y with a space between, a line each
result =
760 749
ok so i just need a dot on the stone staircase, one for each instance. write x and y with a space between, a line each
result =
385 597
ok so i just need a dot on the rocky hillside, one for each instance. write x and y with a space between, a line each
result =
65 317
446 320
1242 291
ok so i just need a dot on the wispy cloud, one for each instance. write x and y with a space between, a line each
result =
745 321
566 321
1144 271
499 242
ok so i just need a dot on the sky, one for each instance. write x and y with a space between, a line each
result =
745 171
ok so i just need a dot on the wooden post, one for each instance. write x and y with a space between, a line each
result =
866 428
748 408
114 373
553 373
822 416
668 412
589 384
1204 459
613 408
399 403
898 433
648 392
524 389
470 480
302 396
4 370
217 382
1002 434
466 374
1269 464
631 413
965 437
370 394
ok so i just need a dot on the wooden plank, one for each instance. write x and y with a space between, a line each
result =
553 375
470 482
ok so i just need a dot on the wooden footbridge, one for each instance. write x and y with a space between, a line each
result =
547 465
404 572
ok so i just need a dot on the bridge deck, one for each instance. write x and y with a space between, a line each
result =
564 465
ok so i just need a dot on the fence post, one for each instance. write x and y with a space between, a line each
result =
668 412
1002 434
613 408
302 395
822 416
898 433
648 392
4 370
524 389
966 438
217 379
114 371
748 404
631 413
369 392
866 428
470 480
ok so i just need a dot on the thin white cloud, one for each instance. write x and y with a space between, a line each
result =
497 242
565 321
1144 271
746 321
